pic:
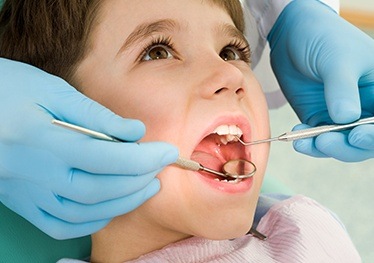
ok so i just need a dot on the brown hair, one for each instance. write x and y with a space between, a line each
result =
54 34
49 34
234 9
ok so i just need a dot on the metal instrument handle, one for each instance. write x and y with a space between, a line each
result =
312 132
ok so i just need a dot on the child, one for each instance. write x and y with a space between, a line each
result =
183 68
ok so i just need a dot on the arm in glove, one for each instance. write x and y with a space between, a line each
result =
68 184
325 67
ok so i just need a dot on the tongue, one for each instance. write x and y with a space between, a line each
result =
209 153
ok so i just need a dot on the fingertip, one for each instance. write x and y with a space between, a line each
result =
344 111
162 153
342 94
362 137
130 130
108 122
170 156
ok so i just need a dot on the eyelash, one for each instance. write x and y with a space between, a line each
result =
241 46
160 41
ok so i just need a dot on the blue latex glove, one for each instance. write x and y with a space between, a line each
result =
325 67
65 183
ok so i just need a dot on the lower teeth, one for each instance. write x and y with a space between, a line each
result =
235 181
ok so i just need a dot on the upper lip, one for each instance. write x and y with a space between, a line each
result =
239 120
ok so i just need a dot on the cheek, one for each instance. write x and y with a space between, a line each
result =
170 208
146 97
136 102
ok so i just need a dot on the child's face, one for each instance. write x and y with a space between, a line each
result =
182 98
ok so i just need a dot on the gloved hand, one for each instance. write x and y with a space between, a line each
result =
65 183
325 67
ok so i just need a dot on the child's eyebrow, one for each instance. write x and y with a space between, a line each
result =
231 32
146 29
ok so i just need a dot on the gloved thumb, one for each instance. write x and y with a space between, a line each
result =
342 94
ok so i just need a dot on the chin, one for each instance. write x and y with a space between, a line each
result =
237 227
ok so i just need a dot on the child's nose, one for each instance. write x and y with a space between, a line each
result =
221 78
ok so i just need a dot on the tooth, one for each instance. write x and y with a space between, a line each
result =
239 132
224 140
237 180
222 130
232 129
230 137
227 133
228 129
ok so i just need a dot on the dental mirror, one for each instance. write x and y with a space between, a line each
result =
239 168
234 169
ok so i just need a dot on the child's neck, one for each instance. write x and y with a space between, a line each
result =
129 237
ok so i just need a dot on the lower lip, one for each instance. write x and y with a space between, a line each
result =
241 187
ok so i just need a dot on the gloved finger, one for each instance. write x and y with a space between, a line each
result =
74 212
83 111
343 105
86 154
306 146
61 230
102 157
52 226
362 137
336 145
86 188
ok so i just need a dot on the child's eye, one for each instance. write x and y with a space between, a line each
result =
229 53
159 48
236 51
157 52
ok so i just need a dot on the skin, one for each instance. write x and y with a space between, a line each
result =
181 98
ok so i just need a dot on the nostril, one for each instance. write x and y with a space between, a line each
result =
239 92
220 90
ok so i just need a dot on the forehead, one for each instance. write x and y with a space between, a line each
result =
118 18
134 11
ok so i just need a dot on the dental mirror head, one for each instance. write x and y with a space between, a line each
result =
239 168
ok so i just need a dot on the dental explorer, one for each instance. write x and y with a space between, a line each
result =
311 132
234 169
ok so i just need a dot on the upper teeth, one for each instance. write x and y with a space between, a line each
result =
228 133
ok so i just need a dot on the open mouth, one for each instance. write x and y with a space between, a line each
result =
219 147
